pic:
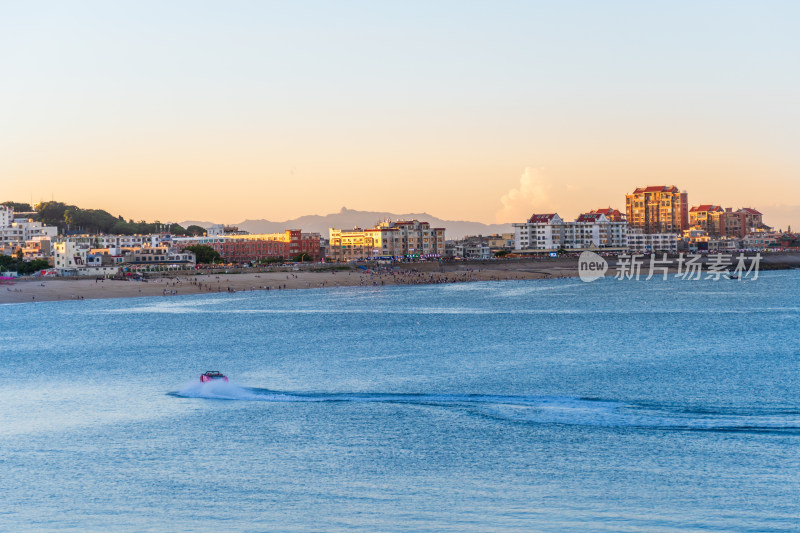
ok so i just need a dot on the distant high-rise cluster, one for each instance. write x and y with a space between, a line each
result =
656 218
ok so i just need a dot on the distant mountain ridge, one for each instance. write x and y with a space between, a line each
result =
351 218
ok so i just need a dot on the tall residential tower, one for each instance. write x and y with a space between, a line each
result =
659 209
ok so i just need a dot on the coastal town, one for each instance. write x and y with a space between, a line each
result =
360 266
655 219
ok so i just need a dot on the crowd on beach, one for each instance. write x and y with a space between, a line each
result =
174 284
375 277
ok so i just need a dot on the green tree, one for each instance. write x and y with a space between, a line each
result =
52 213
195 230
204 253
18 206
501 253
24 268
299 258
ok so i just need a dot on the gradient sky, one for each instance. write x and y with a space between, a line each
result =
484 111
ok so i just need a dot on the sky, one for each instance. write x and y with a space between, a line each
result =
484 111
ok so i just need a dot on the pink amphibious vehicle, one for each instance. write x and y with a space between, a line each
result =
213 375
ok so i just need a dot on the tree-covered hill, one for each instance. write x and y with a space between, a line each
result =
73 219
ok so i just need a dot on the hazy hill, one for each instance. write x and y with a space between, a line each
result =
350 218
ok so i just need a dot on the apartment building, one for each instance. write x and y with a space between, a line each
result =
641 242
6 216
15 231
541 232
719 222
410 239
154 257
549 232
252 247
711 218
657 209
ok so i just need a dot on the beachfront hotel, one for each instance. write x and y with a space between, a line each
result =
658 209
549 232
238 247
387 240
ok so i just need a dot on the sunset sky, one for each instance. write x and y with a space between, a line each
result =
485 111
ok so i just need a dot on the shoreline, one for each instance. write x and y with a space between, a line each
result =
190 282
182 283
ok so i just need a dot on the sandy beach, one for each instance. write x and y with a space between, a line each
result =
308 277
182 283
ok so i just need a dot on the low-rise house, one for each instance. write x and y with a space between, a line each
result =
639 241
159 258
38 248
761 240
503 241
474 247
74 259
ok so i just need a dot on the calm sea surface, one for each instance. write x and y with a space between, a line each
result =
540 405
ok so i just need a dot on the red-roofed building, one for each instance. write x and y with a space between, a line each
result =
708 217
549 232
754 219
257 247
543 219
726 222
658 209
614 215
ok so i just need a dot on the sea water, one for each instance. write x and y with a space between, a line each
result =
522 405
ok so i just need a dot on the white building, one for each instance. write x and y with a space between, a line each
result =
73 259
15 231
216 229
549 232
652 242
6 216
159 258
540 232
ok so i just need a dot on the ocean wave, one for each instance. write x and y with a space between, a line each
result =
452 311
560 410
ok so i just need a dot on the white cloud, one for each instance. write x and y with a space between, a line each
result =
532 195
